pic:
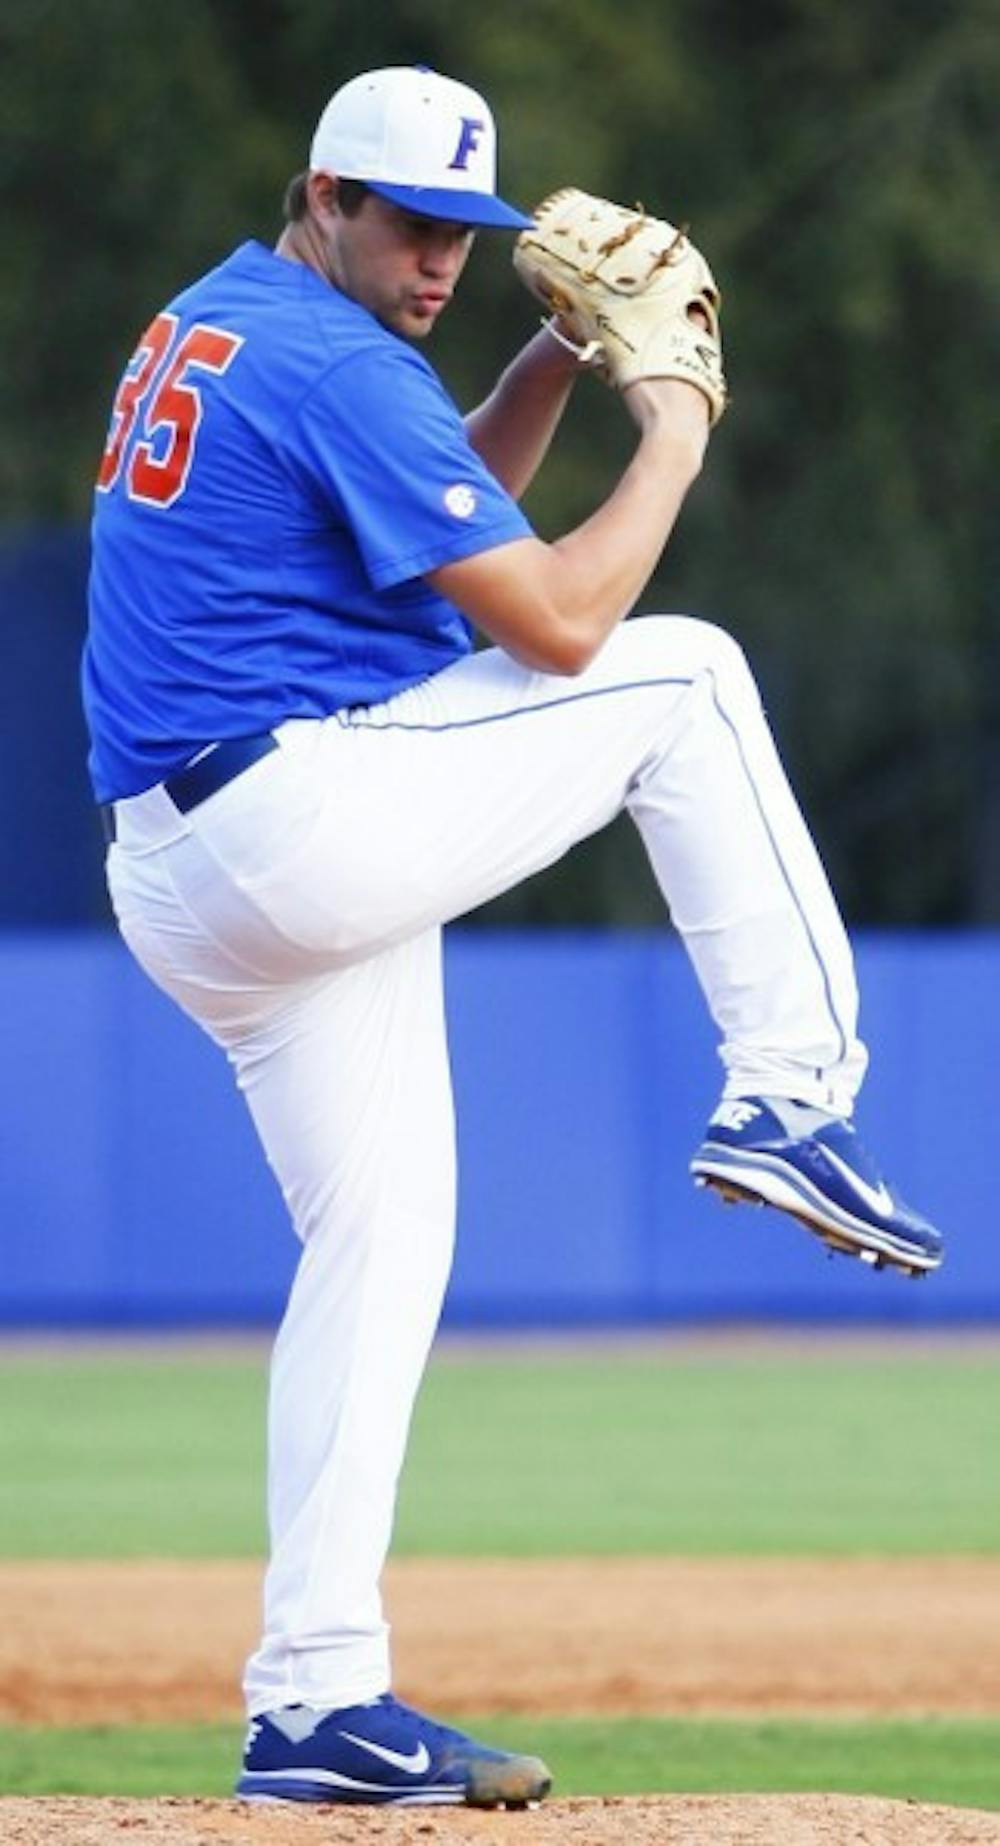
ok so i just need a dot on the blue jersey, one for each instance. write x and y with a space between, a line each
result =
281 471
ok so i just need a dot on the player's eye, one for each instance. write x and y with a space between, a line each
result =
436 227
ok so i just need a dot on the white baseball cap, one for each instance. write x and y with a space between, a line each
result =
421 140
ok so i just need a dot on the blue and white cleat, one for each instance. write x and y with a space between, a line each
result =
381 1752
825 1178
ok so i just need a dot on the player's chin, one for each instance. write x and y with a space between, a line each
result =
420 316
408 325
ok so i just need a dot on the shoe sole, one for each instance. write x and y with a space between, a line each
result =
265 1791
516 1785
741 1182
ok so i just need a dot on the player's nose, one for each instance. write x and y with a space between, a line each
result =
444 251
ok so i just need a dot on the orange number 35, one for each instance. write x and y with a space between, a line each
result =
160 460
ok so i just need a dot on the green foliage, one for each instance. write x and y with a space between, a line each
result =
841 166
132 157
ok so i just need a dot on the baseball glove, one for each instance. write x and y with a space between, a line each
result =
638 298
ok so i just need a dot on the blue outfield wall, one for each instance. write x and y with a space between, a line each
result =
132 1191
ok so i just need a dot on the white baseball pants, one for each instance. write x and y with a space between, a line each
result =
296 915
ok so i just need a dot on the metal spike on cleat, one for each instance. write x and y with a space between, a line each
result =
834 1243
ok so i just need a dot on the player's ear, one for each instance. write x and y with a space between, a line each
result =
321 191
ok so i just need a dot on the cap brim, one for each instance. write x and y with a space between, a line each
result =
459 207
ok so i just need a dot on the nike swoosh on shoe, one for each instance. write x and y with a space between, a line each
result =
878 1198
415 1762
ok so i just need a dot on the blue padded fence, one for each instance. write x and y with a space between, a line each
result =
133 1194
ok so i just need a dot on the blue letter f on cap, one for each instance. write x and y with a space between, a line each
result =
468 141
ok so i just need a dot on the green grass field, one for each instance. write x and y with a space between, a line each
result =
790 1450
935 1760
525 1454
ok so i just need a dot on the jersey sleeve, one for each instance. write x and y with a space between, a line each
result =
387 448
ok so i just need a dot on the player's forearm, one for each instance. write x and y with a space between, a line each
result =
598 571
512 429
552 606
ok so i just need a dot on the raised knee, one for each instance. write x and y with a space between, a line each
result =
651 646
720 650
704 645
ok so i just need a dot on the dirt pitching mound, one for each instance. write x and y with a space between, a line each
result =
139 1641
116 1643
688 1820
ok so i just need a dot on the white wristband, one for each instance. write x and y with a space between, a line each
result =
584 355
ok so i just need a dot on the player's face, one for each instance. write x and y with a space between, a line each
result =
401 266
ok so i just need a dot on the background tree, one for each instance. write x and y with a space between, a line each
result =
839 162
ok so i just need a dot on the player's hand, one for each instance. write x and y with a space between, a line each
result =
633 290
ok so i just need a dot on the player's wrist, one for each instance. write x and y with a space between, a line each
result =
577 356
670 411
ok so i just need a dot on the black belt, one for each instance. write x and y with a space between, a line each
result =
193 785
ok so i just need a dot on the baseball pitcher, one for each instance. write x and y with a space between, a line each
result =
305 771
